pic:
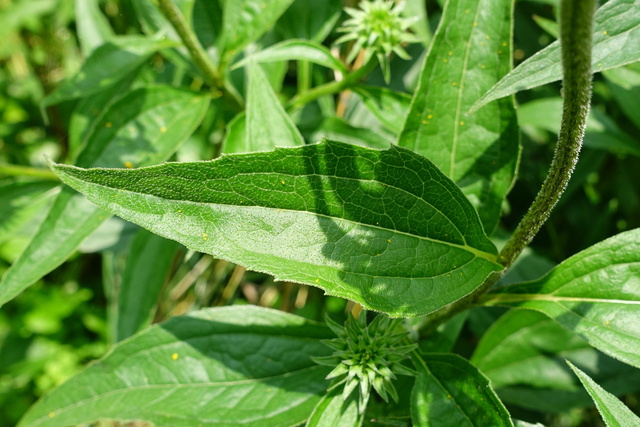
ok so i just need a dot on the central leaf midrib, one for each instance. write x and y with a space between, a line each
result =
474 251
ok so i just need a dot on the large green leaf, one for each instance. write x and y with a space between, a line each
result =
470 52
143 127
107 65
217 367
145 272
384 228
613 412
524 352
244 21
615 43
451 392
595 293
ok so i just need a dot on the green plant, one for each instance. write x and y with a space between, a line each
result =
406 229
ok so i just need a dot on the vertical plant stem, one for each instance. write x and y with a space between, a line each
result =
202 61
576 29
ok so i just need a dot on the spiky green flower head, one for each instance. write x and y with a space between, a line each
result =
379 29
367 356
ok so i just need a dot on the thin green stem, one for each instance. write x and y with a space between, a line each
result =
199 55
332 87
576 28
28 171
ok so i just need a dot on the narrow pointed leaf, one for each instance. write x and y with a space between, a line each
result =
613 411
369 225
145 273
616 32
107 65
309 19
217 367
469 54
451 392
144 127
267 125
296 50
595 293
244 21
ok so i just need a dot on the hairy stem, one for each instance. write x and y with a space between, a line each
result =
576 28
16 170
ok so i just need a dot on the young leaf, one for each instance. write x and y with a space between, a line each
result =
595 293
300 50
144 127
374 226
107 65
339 129
613 412
240 365
144 274
451 392
244 21
615 24
479 151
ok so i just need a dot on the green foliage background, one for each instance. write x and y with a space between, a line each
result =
54 328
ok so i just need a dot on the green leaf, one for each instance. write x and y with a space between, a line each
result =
601 132
309 19
595 293
334 410
143 127
92 26
225 366
299 50
524 352
20 202
616 23
267 125
388 106
90 112
107 65
373 226
451 392
479 151
145 273
244 21
613 412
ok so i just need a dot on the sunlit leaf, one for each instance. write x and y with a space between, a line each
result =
384 228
